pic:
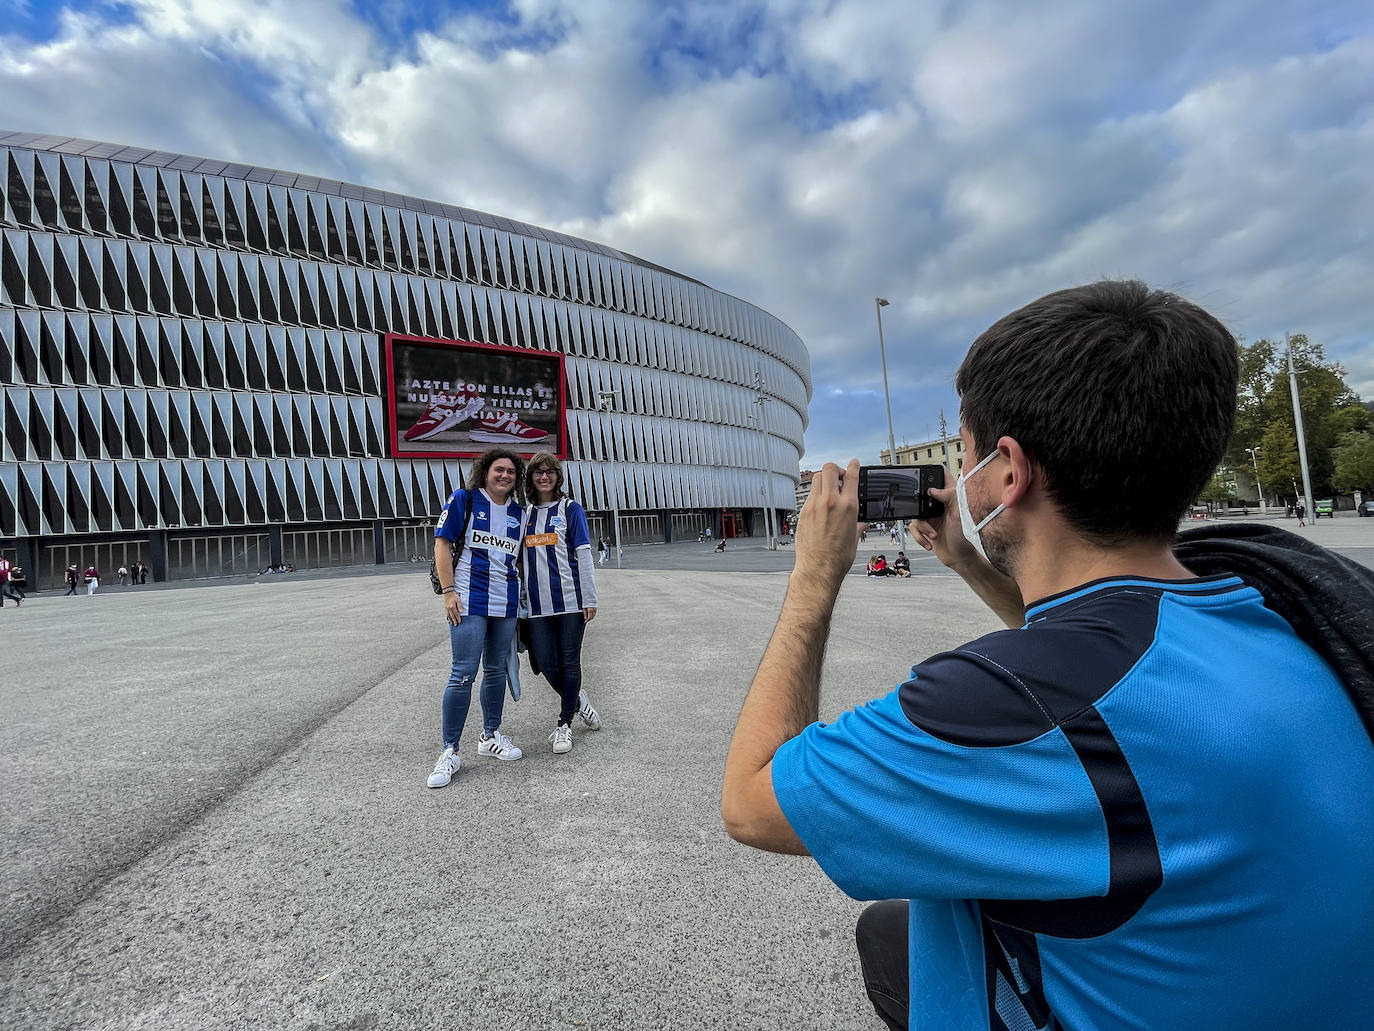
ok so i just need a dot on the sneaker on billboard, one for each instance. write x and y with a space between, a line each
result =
498 746
497 426
445 768
444 412
561 738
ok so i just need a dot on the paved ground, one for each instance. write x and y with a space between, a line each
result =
214 812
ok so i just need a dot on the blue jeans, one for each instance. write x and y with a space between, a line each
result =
484 638
556 642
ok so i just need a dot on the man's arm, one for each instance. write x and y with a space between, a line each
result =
784 698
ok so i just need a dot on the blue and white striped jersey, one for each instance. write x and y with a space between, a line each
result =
486 575
558 559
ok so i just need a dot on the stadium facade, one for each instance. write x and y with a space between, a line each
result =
194 354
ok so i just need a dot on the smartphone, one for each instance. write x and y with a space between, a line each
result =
889 492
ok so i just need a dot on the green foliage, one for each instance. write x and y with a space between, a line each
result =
1264 412
1221 487
1354 462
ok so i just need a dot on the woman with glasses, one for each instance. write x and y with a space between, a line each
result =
475 549
562 592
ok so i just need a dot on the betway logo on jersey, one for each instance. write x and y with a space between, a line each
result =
485 541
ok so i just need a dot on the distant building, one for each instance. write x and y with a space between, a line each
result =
804 487
949 451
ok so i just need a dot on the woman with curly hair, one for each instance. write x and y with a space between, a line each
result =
562 592
475 548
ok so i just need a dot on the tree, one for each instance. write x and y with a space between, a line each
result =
1221 487
1279 467
1264 410
1355 462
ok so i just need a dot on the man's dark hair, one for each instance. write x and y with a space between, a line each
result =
487 459
1124 396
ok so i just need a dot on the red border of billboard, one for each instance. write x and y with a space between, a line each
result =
470 345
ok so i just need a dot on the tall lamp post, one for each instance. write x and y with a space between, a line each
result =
879 303
1297 425
1254 451
607 397
767 464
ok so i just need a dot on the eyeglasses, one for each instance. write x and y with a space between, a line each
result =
543 472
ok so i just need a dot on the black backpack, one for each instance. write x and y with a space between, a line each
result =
458 551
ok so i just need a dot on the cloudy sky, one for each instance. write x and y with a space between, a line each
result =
959 158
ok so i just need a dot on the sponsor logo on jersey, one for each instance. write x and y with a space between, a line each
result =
538 540
485 541
558 522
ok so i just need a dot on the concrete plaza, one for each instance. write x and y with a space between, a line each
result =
214 812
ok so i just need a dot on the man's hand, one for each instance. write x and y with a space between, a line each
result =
944 536
588 614
827 537
453 607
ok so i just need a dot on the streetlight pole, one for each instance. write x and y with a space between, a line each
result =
767 465
879 303
1302 437
607 397
1254 451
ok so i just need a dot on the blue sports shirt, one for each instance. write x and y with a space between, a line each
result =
558 559
486 576
1151 807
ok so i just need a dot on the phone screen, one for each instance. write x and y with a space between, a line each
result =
898 492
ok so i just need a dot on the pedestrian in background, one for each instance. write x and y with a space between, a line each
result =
92 579
123 575
71 575
561 586
6 588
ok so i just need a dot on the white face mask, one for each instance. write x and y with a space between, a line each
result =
972 530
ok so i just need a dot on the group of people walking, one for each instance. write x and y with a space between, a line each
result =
490 552
130 575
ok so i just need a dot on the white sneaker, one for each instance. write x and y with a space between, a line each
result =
587 713
562 738
445 768
498 746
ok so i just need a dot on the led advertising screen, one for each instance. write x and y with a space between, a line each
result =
455 398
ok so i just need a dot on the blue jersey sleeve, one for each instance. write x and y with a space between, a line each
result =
452 518
578 534
890 811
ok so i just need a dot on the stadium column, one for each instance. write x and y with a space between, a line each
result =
274 545
26 549
379 541
157 554
665 525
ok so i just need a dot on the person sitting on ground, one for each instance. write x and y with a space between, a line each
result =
721 546
1082 821
902 566
876 566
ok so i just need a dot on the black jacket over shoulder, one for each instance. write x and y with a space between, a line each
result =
1327 598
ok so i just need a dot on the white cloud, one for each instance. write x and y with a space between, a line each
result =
807 155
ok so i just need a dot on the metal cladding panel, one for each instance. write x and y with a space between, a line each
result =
231 317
